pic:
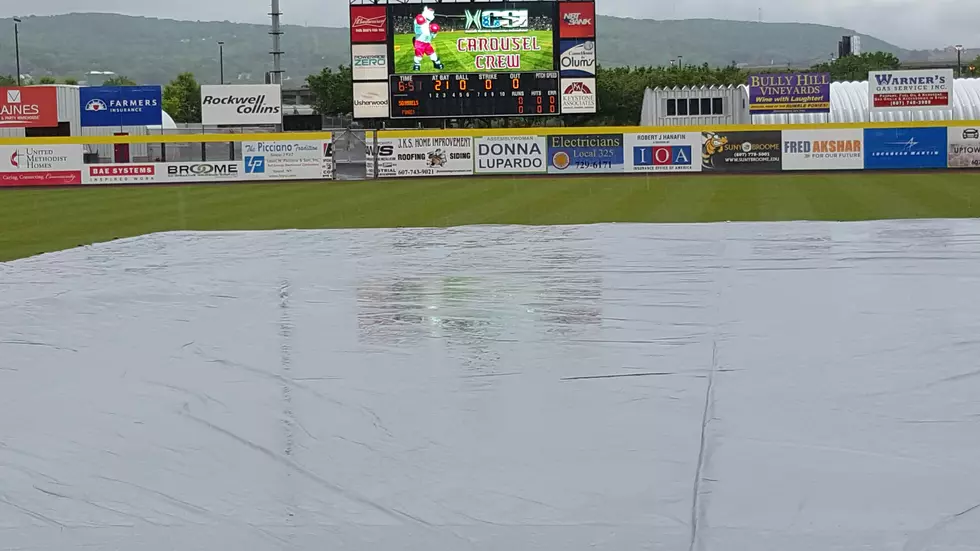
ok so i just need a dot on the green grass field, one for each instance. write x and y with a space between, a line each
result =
465 62
33 221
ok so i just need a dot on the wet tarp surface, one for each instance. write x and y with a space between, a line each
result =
792 386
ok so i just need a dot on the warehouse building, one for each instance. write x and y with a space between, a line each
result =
70 124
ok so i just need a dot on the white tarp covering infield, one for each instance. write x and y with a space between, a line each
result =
795 386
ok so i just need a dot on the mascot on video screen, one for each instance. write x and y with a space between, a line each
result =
425 32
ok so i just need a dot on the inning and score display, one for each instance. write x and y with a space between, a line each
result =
467 59
475 95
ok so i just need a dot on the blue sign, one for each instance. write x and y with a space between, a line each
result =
121 105
255 164
584 153
901 148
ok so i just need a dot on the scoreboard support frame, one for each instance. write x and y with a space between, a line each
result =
371 101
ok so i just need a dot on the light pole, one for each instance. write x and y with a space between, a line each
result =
221 60
959 67
17 47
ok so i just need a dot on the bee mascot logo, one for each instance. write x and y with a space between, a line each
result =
712 144
426 30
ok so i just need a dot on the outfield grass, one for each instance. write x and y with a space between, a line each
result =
33 221
465 62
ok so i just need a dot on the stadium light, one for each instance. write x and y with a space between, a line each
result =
959 67
17 46
221 60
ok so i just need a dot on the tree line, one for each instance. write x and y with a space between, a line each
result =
620 89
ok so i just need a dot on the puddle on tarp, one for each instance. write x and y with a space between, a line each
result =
804 386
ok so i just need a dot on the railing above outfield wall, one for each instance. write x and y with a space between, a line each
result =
554 151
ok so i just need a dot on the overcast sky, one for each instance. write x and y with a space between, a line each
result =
908 23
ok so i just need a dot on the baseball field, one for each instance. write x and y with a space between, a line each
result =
465 62
34 221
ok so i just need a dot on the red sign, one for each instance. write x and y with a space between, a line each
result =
368 23
912 99
576 20
577 87
122 170
29 106
120 174
43 178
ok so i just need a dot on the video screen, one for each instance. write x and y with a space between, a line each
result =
473 38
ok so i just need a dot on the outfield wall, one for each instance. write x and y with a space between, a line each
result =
554 151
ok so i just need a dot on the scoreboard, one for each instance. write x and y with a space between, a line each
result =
487 59
475 95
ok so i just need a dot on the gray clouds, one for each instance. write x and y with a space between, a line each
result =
907 23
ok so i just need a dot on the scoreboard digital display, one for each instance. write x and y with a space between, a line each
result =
452 60
475 95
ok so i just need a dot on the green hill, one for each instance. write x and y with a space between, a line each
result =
155 50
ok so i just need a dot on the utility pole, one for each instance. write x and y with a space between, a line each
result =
17 46
221 60
959 64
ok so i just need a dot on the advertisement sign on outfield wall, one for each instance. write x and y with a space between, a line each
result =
585 153
929 89
964 146
206 171
382 153
40 165
29 107
904 148
241 104
121 174
789 93
430 156
511 154
168 173
663 152
752 151
120 105
823 149
288 160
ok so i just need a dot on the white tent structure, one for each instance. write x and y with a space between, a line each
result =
168 124
848 103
